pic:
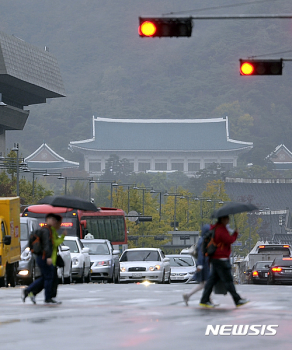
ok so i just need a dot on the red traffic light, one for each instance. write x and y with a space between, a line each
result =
261 67
165 27
147 28
246 68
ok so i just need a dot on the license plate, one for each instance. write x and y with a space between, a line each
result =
137 275
288 270
266 275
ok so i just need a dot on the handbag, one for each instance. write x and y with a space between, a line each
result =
60 261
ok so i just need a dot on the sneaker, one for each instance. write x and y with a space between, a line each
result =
242 302
32 297
53 301
186 299
207 304
24 294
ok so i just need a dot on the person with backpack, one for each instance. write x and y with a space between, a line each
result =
202 263
44 243
219 247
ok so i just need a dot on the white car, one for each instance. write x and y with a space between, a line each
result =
183 267
140 264
80 259
65 273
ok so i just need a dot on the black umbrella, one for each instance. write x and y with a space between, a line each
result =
68 202
233 208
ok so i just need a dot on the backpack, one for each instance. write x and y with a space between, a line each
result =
34 242
209 246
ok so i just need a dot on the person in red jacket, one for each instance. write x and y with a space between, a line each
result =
220 263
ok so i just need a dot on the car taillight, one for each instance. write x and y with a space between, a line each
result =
255 273
277 269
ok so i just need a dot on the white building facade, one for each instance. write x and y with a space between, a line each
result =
160 145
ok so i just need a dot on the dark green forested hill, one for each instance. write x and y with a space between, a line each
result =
109 71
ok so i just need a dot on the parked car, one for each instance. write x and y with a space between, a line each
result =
80 259
140 264
65 273
259 272
104 260
280 271
28 269
183 267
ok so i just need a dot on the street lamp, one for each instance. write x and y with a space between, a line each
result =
208 200
16 149
143 189
174 195
128 186
76 179
160 194
112 183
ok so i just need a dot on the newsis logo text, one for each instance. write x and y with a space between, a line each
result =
252 330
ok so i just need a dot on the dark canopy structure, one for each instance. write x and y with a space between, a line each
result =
28 75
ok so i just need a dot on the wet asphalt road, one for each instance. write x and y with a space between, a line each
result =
135 316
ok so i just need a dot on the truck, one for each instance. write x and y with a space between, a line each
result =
9 240
262 251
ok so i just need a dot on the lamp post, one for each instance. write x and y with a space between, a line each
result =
208 200
76 179
174 195
160 194
36 172
112 183
143 189
128 186
16 149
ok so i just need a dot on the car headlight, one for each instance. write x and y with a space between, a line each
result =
123 269
192 272
104 263
154 268
26 254
75 261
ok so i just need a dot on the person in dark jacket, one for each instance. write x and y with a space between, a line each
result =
202 265
220 264
45 262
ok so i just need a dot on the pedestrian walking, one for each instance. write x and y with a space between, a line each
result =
220 263
50 241
202 267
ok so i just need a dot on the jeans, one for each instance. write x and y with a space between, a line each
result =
220 270
46 279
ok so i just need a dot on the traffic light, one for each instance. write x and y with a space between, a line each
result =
261 67
165 27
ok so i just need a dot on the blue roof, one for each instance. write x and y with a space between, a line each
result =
161 134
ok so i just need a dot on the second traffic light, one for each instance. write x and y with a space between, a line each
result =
165 27
261 67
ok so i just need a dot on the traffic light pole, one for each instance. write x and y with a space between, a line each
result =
279 16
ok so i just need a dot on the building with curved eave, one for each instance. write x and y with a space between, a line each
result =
45 158
186 145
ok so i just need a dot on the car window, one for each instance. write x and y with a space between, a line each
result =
23 232
97 248
141 255
283 262
181 261
262 264
72 245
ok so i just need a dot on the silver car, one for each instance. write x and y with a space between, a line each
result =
27 269
140 264
80 259
104 260
183 267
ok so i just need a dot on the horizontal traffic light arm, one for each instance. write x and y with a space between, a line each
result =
182 26
261 66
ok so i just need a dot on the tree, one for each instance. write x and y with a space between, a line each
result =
116 169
